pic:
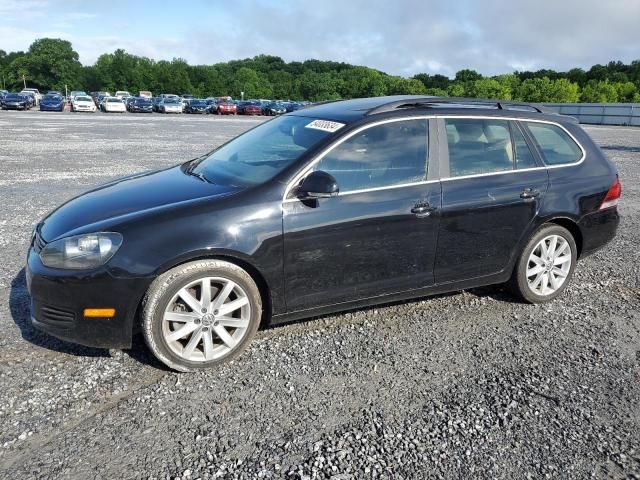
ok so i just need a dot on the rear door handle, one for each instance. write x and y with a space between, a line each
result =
422 210
530 193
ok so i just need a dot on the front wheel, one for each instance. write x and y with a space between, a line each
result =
546 265
201 314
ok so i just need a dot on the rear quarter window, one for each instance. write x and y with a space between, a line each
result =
555 144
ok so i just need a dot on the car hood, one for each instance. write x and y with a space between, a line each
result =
118 200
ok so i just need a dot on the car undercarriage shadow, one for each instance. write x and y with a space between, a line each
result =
19 304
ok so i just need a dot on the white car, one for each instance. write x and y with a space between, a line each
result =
113 104
83 104
121 94
77 93
36 93
170 105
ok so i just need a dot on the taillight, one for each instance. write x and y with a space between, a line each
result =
613 195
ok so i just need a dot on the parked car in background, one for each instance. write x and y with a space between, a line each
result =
140 105
122 94
100 100
31 98
128 101
35 93
212 106
77 93
155 102
113 104
53 103
226 107
196 105
250 108
293 106
54 92
145 94
82 103
97 95
170 105
16 101
274 108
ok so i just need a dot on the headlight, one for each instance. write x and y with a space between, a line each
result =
81 251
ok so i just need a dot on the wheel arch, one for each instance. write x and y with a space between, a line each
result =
245 264
573 228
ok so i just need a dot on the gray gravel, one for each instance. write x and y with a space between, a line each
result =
470 384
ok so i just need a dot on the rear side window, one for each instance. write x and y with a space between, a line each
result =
478 146
524 157
557 147
393 153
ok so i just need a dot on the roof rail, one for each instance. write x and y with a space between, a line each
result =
442 102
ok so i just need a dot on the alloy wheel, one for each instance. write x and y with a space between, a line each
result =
206 319
549 265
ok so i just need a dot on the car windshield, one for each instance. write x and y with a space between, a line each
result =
13 96
114 100
55 98
171 100
143 102
83 99
198 102
261 153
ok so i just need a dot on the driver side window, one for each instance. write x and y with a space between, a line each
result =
389 154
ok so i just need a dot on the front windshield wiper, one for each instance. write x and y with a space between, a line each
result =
190 170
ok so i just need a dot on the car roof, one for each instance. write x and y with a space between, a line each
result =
350 111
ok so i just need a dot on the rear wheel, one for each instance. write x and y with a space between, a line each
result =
201 314
545 266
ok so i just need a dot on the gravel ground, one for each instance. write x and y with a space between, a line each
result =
470 384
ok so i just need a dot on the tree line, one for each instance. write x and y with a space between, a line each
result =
52 64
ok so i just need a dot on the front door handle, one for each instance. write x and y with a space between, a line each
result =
422 210
530 193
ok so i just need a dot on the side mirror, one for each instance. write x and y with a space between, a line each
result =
318 185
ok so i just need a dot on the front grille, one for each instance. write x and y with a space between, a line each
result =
54 316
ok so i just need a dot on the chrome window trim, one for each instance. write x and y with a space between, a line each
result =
319 157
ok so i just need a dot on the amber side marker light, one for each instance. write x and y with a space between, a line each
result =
99 312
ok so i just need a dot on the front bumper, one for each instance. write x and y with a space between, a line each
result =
59 297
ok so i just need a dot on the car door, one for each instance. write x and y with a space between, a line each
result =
492 185
378 235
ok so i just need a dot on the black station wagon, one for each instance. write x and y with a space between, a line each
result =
329 208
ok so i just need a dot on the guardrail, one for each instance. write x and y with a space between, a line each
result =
600 113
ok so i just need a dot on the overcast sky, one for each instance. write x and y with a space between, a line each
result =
401 37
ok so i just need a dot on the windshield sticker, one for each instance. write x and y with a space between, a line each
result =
325 125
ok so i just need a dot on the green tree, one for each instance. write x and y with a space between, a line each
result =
252 83
488 88
599 92
467 75
404 86
362 82
626 91
546 90
48 64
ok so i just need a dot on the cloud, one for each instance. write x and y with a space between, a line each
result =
400 37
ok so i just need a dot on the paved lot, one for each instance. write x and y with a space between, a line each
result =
466 385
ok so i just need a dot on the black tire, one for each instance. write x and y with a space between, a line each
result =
164 288
518 284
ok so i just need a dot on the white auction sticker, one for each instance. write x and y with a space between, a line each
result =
325 125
